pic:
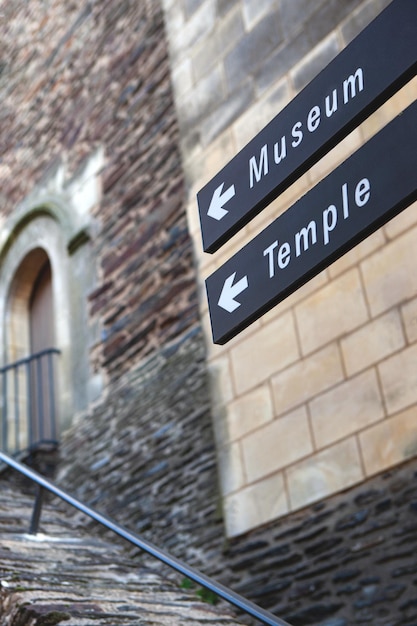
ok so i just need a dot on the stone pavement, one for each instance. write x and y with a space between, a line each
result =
65 575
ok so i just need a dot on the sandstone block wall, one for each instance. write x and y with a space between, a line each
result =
320 393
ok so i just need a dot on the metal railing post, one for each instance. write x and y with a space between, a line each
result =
16 407
37 510
4 415
51 387
29 402
40 402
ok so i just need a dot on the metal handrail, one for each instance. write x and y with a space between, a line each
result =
265 617
28 359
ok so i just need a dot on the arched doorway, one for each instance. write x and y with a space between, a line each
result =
29 377
46 228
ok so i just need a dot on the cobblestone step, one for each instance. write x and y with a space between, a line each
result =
64 575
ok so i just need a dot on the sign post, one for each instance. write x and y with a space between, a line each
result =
361 78
367 190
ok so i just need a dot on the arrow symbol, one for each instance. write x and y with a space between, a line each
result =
230 291
218 200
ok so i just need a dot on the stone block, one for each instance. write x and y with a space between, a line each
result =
402 222
205 56
245 59
202 166
327 17
281 61
250 412
191 6
193 222
360 18
295 14
332 159
254 10
226 113
212 50
310 287
327 472
390 442
197 27
306 379
264 352
346 409
373 342
255 505
389 274
314 62
209 90
398 376
231 472
277 444
286 199
334 310
224 6
390 109
263 111
182 79
189 113
409 315
359 252
221 380
174 23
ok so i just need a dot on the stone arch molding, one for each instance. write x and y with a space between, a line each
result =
56 218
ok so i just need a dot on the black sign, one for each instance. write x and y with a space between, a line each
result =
364 75
362 194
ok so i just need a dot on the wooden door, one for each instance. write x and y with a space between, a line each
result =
41 329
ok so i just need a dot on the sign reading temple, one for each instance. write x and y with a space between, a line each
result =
364 75
368 189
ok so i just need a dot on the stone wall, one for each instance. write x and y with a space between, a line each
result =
146 456
86 76
307 398
148 460
346 561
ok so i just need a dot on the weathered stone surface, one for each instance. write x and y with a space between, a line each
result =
148 455
64 575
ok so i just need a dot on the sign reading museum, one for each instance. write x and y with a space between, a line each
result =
367 190
364 75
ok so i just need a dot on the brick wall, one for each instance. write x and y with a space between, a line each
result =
320 393
77 77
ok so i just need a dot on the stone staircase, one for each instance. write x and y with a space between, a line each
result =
63 574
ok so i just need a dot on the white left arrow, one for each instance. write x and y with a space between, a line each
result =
230 291
218 200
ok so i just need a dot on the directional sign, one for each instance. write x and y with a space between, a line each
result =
364 75
362 194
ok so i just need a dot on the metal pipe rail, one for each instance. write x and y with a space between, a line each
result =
29 359
265 617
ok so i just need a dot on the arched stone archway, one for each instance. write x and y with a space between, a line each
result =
54 223
29 378
39 240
